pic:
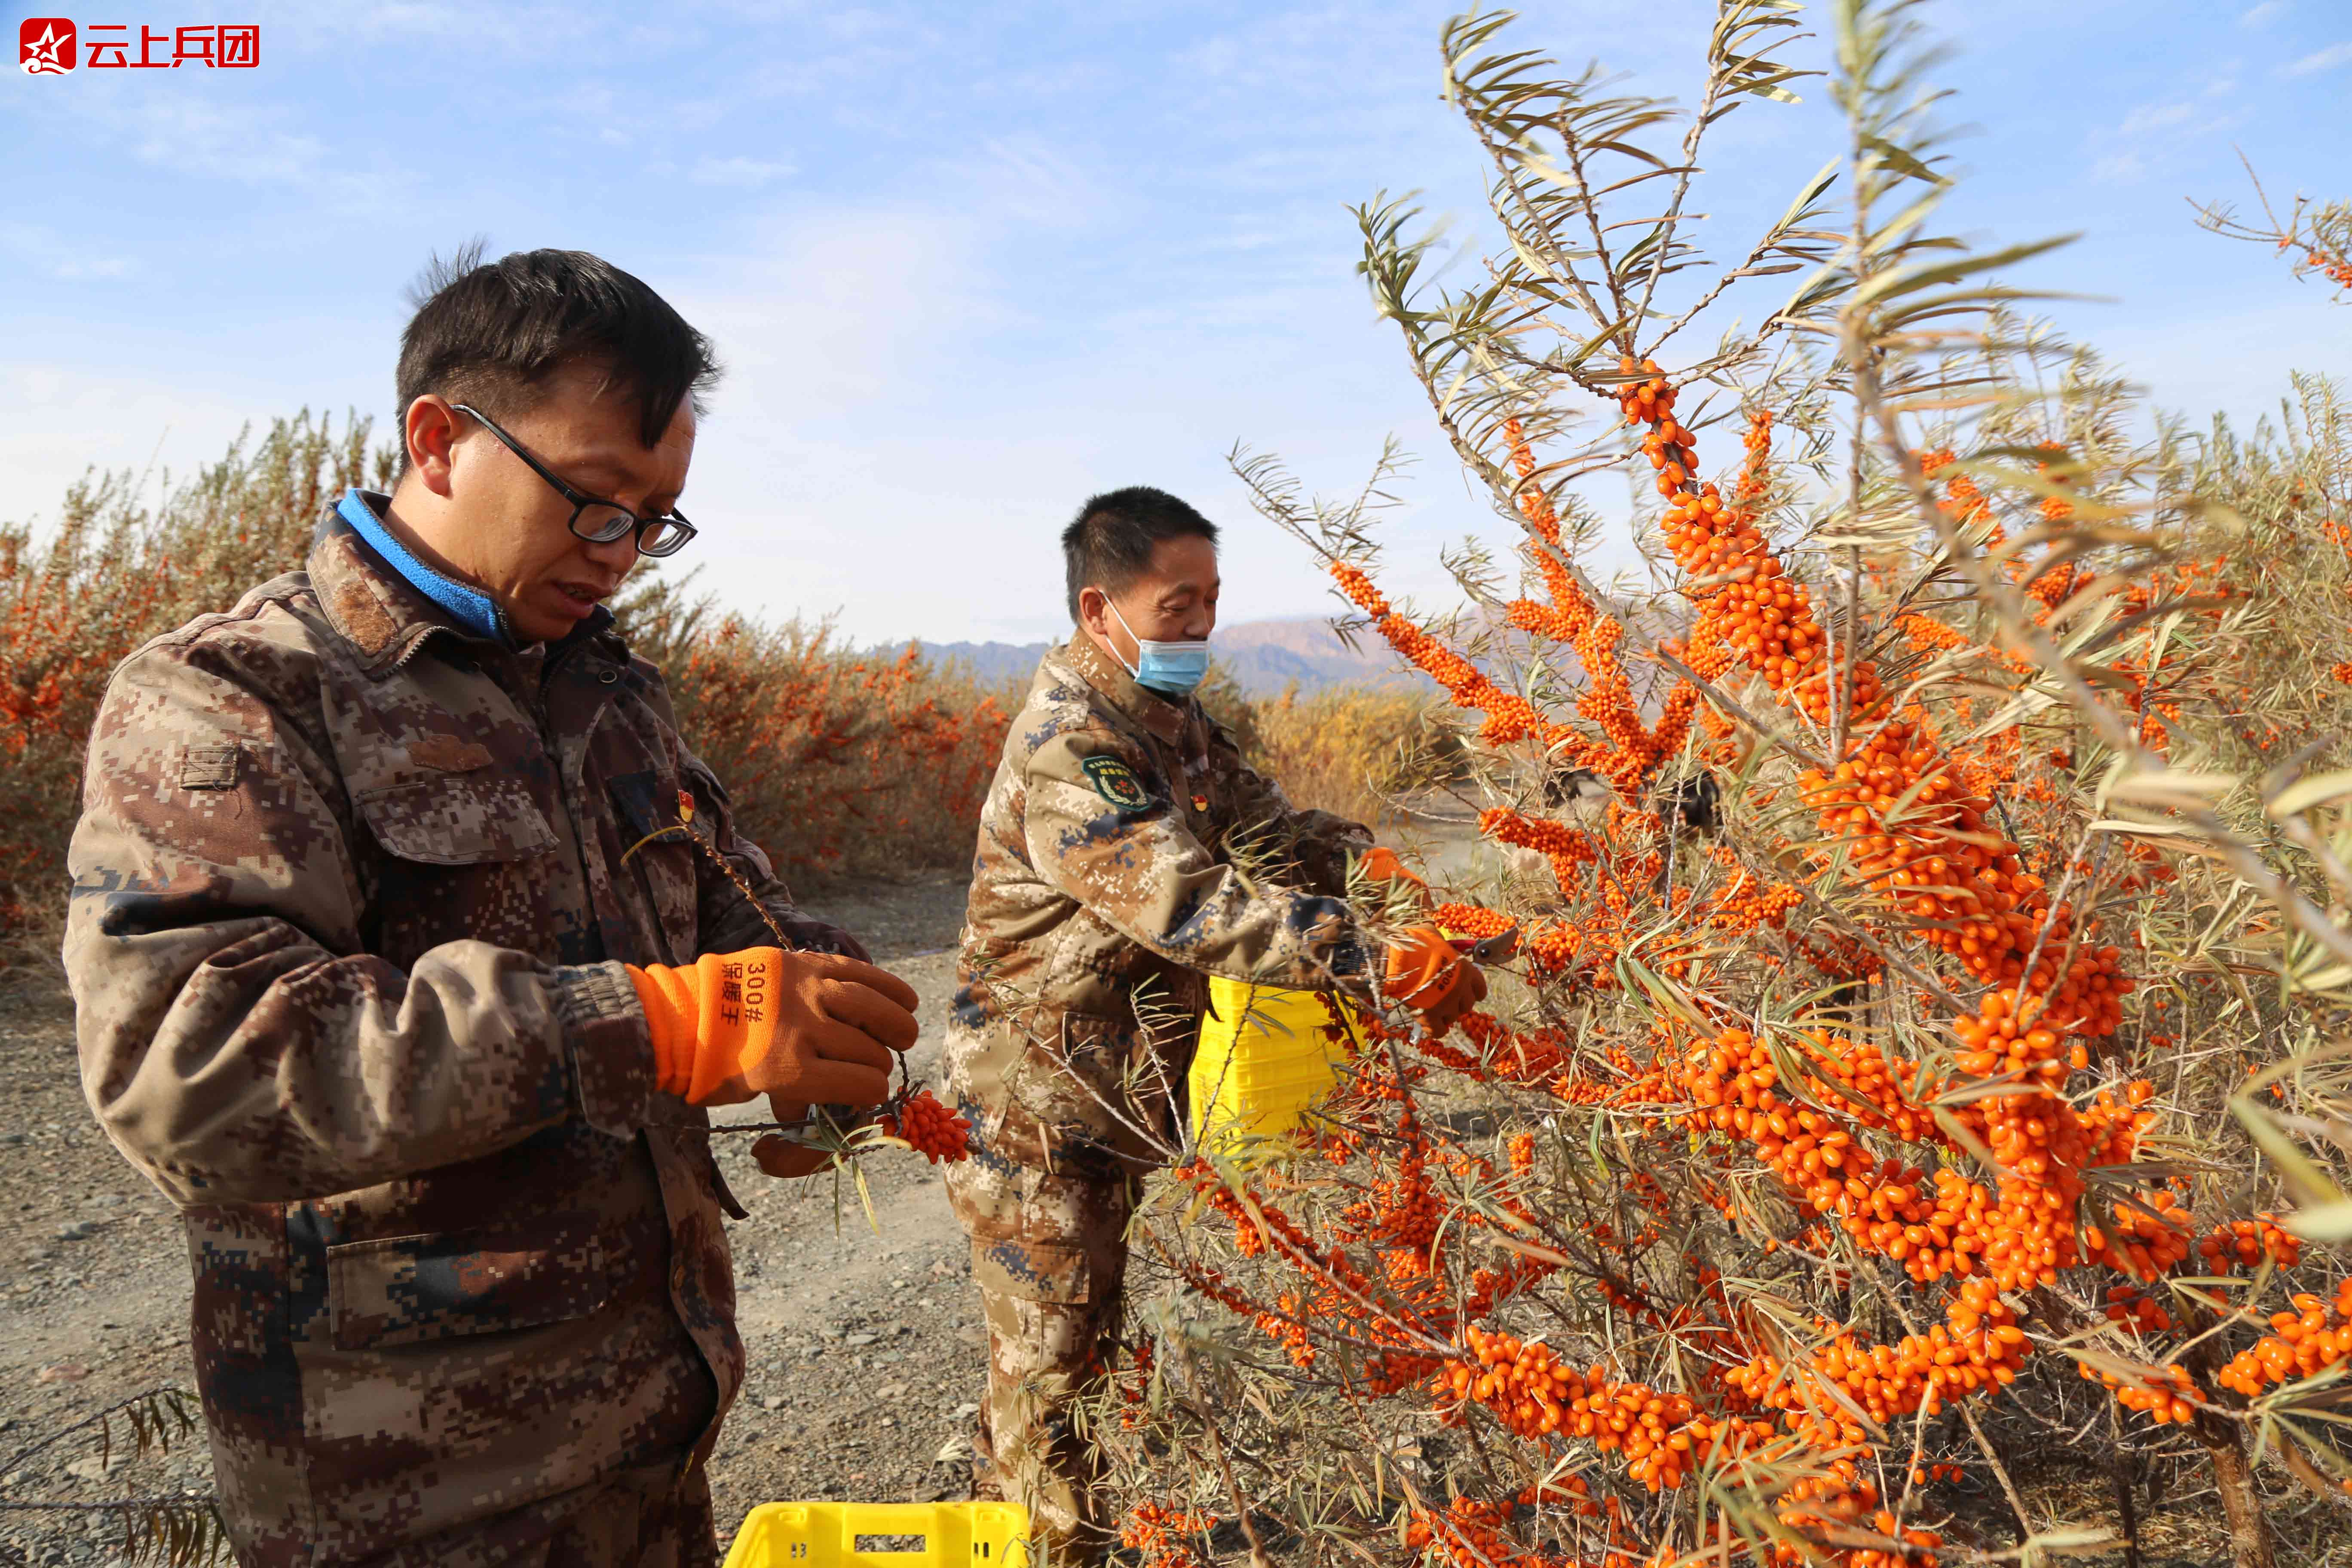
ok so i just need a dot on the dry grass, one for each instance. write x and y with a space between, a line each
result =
1352 750
126 560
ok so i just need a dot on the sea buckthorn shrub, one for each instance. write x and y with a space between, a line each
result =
1907 1132
124 557
839 762
2314 236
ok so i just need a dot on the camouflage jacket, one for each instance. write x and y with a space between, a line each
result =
1105 887
352 893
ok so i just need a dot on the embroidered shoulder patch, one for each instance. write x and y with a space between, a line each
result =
208 767
1116 782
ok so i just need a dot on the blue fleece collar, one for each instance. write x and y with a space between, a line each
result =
475 611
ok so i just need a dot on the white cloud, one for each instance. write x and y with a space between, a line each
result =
840 309
411 20
2152 117
252 145
1031 180
48 252
2327 59
56 421
510 28
2151 137
2120 169
1088 259
904 426
815 473
740 173
200 138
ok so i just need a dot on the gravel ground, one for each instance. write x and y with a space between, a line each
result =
863 1337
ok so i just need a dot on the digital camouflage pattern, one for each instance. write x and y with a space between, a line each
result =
352 894
1104 892
1049 1255
646 1518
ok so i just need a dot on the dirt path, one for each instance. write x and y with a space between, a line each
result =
863 1342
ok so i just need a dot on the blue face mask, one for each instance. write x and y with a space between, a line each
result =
1170 668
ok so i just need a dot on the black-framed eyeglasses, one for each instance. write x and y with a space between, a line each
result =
597 521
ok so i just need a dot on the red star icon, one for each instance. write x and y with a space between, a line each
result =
46 46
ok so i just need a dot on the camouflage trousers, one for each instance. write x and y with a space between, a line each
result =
644 1518
1049 1255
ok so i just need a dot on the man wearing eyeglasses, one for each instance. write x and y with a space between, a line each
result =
399 967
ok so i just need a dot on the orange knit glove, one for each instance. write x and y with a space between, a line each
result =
1379 864
805 1026
1428 974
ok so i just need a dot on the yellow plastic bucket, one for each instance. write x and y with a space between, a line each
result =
883 1535
1263 1061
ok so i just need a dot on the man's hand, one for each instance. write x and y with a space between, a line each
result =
810 1026
1379 864
1428 974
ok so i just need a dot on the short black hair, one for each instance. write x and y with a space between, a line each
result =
1109 545
491 334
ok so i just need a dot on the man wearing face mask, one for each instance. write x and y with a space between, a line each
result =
1104 893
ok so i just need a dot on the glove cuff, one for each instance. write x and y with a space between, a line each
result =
672 1017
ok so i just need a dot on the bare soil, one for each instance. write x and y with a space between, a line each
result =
864 1337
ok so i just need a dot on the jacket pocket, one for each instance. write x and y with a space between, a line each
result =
406 1289
458 819
1029 1230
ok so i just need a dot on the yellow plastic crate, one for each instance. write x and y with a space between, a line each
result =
1263 1061
843 1534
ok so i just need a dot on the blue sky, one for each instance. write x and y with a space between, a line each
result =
969 263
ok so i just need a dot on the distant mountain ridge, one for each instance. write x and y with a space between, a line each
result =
1263 658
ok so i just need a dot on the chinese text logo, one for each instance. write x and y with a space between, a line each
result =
46 46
